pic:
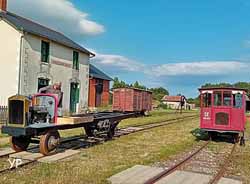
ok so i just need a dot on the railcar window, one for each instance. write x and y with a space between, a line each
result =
237 100
217 98
207 100
227 96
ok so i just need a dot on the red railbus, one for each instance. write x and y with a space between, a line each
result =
223 111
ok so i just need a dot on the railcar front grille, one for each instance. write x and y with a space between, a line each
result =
16 110
222 118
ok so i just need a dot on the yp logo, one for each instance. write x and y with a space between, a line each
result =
15 163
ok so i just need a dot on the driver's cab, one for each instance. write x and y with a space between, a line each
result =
48 102
223 108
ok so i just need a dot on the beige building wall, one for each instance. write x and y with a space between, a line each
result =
10 40
59 69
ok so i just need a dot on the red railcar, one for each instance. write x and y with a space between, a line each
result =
223 111
132 100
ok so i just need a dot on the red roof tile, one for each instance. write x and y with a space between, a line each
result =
172 98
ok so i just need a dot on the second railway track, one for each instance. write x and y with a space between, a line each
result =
192 159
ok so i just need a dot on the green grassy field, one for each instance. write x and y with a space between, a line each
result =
94 165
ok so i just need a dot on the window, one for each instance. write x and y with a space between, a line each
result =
45 47
227 96
42 83
75 60
217 98
237 100
206 100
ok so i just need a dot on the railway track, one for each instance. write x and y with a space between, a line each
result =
93 141
179 166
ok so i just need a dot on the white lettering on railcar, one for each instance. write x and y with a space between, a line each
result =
104 124
206 116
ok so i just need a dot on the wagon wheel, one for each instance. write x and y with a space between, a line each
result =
111 132
89 131
19 143
49 142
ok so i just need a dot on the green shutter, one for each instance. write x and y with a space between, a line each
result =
75 60
45 49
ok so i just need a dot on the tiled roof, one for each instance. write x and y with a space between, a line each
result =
96 73
171 98
29 26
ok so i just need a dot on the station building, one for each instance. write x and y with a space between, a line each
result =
33 56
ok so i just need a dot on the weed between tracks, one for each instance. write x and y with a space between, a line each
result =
96 164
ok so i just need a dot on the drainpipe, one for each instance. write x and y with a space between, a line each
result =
20 65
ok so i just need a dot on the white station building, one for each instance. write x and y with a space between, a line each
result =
33 56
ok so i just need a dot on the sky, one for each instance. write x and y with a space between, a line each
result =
176 44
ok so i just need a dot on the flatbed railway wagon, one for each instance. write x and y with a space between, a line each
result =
223 111
132 100
36 121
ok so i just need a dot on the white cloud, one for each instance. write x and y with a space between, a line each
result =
207 68
61 15
198 68
117 62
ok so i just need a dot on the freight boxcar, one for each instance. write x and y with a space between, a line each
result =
223 111
132 100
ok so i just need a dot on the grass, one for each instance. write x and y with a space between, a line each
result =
94 165
156 116
241 159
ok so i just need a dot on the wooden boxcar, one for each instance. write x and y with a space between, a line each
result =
132 100
223 110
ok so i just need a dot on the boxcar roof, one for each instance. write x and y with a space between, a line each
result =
222 88
134 89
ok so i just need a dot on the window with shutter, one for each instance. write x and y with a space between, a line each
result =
45 48
75 60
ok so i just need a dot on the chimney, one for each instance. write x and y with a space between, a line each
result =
3 5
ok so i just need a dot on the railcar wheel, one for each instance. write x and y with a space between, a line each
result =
89 131
236 138
49 142
242 141
19 143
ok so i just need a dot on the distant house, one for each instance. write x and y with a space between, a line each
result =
34 56
99 84
173 102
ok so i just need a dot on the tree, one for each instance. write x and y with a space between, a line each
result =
244 85
159 93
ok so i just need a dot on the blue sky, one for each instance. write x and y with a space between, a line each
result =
176 44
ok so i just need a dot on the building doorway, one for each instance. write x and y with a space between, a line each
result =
74 97
99 91
42 83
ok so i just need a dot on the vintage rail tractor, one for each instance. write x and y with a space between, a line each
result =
35 120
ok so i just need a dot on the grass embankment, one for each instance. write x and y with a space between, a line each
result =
94 165
241 159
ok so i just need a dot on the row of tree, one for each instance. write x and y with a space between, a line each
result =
244 85
158 93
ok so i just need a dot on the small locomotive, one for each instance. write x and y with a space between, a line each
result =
223 111
36 120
